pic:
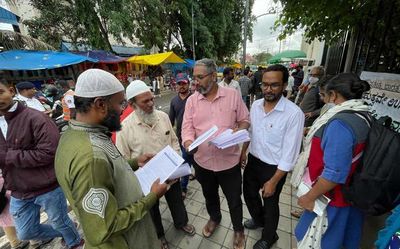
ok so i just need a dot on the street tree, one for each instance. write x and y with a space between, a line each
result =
326 19
56 20
262 57
166 24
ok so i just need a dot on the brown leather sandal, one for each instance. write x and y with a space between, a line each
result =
164 243
209 228
189 229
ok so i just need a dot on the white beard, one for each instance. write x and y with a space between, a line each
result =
147 118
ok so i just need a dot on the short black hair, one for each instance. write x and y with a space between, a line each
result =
279 68
246 71
227 70
83 105
349 85
5 83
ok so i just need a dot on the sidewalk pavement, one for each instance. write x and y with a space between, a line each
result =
223 236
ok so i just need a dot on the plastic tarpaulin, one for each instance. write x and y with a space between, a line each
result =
288 54
102 56
183 67
7 16
156 59
38 60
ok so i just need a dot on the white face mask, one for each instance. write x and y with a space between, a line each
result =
330 105
313 80
326 107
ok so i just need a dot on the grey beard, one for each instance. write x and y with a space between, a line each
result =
205 91
147 118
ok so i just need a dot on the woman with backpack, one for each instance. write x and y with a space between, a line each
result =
332 151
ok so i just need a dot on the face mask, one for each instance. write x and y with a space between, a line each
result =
330 105
326 107
313 80
306 81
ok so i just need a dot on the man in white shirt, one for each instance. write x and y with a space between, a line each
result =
130 78
276 132
26 95
228 80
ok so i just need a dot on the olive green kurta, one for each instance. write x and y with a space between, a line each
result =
103 190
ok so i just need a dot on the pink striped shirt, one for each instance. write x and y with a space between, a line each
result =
225 111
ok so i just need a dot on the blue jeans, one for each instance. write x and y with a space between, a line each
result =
26 214
189 159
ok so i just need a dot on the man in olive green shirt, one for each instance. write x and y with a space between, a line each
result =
98 182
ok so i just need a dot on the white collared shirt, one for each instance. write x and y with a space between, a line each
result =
3 122
234 84
276 136
31 103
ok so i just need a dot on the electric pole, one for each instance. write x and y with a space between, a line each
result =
246 16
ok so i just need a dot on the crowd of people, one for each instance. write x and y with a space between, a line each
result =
316 140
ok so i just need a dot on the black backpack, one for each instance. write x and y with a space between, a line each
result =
374 187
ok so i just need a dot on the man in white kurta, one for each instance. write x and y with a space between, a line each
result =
148 131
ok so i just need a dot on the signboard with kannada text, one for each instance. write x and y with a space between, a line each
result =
384 96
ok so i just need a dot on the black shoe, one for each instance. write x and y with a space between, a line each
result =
262 244
251 224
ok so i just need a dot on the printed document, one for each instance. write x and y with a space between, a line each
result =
228 138
203 137
165 164
320 204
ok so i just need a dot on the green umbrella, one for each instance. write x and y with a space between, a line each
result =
287 54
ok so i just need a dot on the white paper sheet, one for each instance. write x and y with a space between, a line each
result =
320 204
181 171
160 166
227 138
203 137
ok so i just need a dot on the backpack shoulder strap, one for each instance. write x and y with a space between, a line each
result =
364 115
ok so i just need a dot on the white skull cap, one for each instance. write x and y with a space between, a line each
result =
135 88
97 83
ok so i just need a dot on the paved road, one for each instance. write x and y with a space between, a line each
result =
162 103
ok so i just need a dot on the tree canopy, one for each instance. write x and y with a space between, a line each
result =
325 19
167 24
262 57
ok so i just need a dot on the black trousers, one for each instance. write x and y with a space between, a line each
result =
176 207
230 181
255 175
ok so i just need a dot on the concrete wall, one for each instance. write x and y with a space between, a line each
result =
314 50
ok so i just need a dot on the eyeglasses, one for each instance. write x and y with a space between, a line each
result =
274 86
200 77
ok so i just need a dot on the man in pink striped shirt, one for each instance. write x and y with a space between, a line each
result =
221 106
